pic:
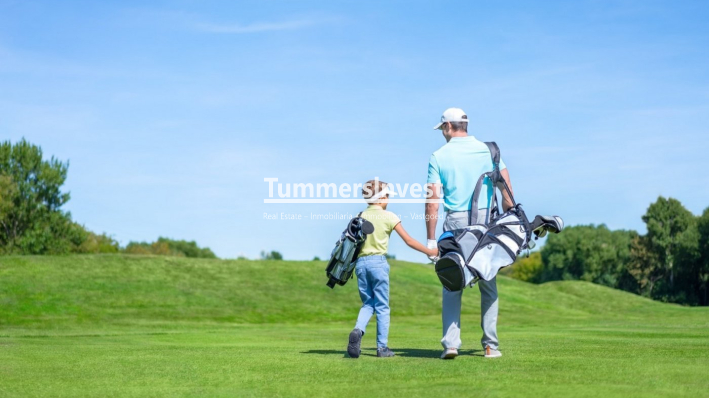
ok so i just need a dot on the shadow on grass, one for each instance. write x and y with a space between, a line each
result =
435 354
342 353
403 352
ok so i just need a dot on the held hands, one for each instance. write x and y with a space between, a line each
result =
432 246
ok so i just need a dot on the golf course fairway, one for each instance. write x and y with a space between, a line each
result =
136 326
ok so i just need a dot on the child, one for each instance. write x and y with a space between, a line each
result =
372 269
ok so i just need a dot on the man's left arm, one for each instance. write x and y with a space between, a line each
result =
506 199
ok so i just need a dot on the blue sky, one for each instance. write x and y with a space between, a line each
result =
171 114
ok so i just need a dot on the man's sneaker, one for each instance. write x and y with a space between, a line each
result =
490 353
385 352
449 353
355 340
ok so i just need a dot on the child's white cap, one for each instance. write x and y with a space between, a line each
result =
385 191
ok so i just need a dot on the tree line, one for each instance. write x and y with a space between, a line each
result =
670 262
32 220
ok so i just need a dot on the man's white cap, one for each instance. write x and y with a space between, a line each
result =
452 115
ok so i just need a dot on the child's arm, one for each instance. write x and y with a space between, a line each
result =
413 243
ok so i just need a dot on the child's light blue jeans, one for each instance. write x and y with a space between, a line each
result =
373 280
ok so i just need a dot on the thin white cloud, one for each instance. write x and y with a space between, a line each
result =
255 28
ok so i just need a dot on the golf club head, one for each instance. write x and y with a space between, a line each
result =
543 224
557 226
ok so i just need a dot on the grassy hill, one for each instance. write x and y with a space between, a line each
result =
39 291
141 325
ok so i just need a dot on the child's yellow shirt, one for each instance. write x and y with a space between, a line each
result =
384 222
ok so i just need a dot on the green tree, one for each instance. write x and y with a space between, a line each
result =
98 243
188 248
643 266
587 252
170 247
272 255
528 269
685 289
31 219
8 191
702 264
669 229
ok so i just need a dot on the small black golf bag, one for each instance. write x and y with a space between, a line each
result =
344 255
479 251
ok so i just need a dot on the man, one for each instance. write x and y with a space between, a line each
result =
453 171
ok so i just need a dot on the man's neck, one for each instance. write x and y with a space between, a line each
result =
457 134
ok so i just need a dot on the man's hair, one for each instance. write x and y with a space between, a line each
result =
459 126
372 187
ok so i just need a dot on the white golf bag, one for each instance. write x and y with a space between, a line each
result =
479 251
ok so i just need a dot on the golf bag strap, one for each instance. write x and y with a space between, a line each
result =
355 255
497 182
497 179
473 213
494 153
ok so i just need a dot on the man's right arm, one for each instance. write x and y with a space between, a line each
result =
433 194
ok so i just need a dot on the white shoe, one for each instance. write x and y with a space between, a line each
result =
490 353
449 353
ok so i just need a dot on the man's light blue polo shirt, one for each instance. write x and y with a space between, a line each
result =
457 165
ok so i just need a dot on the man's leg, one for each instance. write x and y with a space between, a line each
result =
488 312
451 319
451 301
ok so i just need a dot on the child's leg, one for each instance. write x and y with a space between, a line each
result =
380 280
365 293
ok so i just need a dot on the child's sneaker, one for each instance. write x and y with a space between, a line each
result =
355 340
385 352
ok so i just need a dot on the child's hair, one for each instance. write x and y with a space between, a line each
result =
372 187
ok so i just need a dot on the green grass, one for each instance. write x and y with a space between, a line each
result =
155 326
